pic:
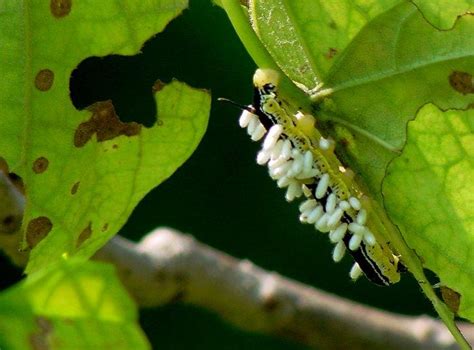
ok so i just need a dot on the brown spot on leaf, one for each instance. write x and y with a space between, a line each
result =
451 298
331 53
105 227
40 165
158 86
462 82
75 187
44 324
60 8
115 146
37 229
105 123
85 234
344 142
39 339
44 79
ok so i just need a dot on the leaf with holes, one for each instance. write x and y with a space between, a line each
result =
410 63
84 171
70 306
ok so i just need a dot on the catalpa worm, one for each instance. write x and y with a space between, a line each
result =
301 160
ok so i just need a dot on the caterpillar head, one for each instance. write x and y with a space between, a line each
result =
266 79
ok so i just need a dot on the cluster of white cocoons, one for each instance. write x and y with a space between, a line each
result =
290 168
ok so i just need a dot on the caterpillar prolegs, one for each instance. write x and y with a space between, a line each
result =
303 162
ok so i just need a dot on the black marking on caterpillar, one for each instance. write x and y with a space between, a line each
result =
299 158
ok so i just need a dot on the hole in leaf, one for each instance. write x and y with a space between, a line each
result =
119 79
128 80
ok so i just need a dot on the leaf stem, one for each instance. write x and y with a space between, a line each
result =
259 53
412 261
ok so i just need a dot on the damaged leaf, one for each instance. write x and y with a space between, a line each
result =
53 147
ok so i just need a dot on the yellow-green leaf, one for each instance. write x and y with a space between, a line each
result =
410 63
70 306
84 171
443 13
429 194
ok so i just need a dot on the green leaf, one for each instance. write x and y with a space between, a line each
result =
443 13
410 63
70 306
429 195
84 171
394 63
306 36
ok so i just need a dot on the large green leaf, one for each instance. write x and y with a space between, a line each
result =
70 306
84 171
410 63
395 62
429 193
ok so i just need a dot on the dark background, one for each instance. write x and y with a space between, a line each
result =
220 195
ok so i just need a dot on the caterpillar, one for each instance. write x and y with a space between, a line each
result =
301 160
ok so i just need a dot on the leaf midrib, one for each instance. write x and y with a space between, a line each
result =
391 73
25 142
398 70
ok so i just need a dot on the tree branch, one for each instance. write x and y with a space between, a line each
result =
168 266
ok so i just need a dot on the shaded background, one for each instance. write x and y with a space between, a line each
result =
220 195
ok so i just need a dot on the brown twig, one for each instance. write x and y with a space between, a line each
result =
168 266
